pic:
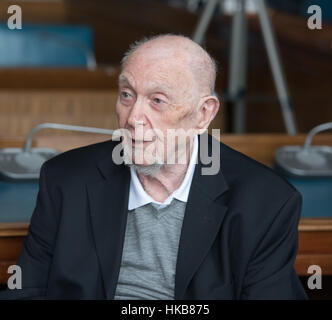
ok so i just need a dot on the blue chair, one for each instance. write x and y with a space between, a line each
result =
39 45
316 195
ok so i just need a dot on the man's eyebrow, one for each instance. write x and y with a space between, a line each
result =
161 87
154 86
123 78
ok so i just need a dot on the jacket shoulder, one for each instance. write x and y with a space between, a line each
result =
80 160
242 171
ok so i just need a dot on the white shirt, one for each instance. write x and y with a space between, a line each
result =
138 197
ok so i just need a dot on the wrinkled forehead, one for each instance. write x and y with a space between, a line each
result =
166 68
165 53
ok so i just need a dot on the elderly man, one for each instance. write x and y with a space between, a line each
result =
152 226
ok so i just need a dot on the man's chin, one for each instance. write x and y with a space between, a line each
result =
141 166
146 169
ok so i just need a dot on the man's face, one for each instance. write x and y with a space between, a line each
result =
155 94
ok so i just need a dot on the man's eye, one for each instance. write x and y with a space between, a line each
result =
125 94
158 101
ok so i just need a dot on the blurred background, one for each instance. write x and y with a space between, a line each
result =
62 67
76 47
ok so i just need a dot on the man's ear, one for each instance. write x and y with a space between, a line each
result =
206 112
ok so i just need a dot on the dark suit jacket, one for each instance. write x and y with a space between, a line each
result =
238 239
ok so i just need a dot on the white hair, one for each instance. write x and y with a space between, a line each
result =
147 170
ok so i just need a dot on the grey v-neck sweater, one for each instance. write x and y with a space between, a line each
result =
150 252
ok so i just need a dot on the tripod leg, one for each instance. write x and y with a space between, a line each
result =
275 63
238 67
204 21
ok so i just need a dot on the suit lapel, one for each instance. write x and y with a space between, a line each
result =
204 214
108 201
201 223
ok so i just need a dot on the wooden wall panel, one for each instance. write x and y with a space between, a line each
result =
20 111
105 78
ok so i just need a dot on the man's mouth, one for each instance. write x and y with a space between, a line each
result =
141 143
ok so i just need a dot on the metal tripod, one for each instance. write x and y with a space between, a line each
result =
238 61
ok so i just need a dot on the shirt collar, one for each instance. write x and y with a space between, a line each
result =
138 197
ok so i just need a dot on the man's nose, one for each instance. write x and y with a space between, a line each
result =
137 114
